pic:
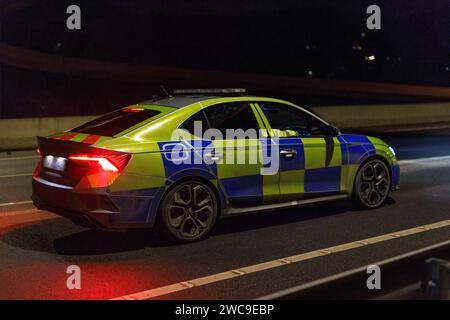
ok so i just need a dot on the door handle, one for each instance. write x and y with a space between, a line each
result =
214 156
288 153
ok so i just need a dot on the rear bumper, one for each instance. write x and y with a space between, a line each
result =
95 210
80 219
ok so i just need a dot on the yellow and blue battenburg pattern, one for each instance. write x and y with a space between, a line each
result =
321 166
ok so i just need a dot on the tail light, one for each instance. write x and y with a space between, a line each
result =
38 167
111 163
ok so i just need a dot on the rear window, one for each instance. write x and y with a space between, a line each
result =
115 122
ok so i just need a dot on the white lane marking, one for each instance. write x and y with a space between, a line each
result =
18 213
7 204
198 282
351 272
19 158
16 175
17 203
419 160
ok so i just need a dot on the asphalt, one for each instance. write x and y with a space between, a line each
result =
36 247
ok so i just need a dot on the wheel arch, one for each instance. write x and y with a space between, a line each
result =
201 179
370 158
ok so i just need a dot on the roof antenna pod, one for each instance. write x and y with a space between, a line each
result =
165 91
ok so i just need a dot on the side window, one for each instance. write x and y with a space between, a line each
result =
190 124
288 121
233 115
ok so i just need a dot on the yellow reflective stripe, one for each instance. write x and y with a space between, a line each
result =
259 119
79 137
264 119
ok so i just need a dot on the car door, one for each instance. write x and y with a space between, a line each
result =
238 154
310 161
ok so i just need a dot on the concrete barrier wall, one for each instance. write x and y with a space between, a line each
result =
21 133
379 116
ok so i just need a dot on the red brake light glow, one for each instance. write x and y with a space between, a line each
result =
111 163
133 110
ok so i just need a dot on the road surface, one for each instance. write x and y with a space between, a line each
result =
242 259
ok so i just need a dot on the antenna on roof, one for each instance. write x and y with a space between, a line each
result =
165 91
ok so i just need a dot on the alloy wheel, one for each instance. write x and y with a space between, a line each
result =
373 183
191 211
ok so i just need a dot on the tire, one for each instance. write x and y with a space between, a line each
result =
188 212
372 184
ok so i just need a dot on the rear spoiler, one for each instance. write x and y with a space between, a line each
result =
65 148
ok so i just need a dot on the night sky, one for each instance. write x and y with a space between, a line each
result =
316 38
310 38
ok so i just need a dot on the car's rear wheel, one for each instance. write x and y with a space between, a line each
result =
188 211
372 184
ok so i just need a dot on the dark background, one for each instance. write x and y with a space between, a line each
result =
311 39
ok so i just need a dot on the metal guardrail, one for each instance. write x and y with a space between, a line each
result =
437 282
420 274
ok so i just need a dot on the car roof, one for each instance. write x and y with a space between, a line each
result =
180 101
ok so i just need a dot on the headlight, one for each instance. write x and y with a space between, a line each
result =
393 151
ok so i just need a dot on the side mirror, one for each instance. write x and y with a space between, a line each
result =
331 131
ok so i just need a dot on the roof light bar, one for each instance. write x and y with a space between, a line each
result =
213 90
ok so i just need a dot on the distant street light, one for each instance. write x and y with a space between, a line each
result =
370 58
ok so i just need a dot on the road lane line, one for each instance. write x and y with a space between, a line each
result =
347 273
418 160
194 283
18 219
17 213
19 158
7 204
16 175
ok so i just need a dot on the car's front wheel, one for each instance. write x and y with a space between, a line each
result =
372 184
188 211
